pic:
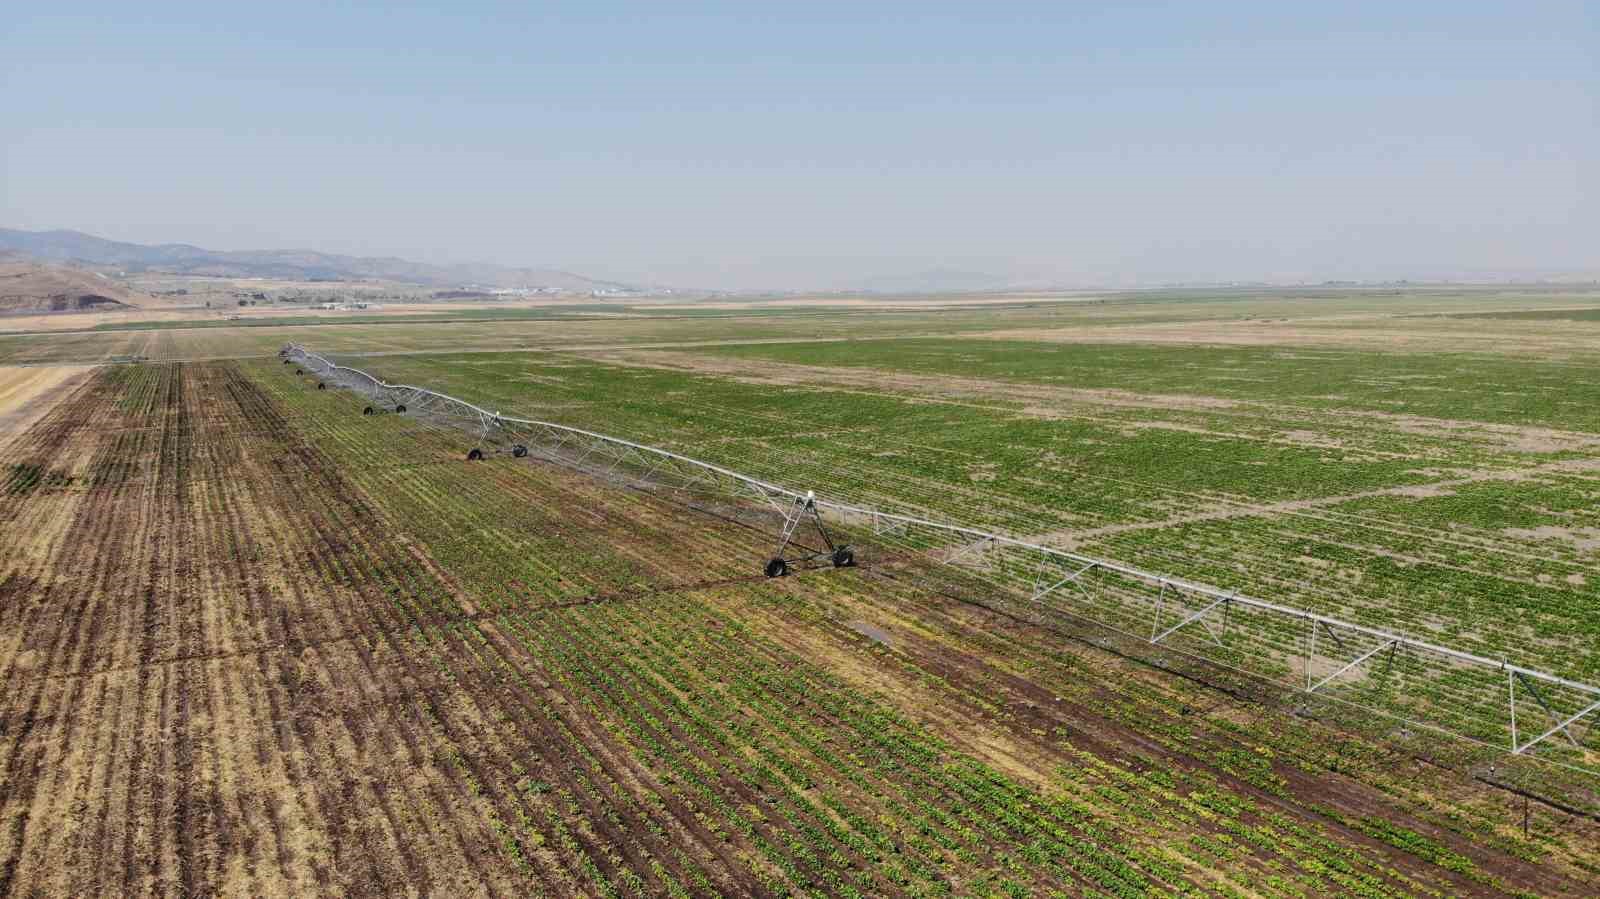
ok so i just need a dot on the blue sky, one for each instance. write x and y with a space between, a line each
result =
819 144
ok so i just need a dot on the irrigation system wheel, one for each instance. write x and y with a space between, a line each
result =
400 408
369 411
844 558
321 386
474 454
299 371
777 568
286 362
519 450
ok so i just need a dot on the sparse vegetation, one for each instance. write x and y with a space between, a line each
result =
257 642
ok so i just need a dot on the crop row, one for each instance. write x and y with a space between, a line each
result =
715 710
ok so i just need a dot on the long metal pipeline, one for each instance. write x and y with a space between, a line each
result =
494 419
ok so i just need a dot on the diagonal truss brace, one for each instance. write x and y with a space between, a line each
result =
1350 665
1560 726
766 497
882 527
1197 616
1072 579
1564 727
975 546
791 520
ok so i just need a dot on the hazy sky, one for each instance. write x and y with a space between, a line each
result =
816 143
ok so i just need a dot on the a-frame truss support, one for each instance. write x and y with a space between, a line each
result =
790 552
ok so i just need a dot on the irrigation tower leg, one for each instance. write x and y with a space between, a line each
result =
805 509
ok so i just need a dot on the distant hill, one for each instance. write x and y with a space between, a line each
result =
935 281
31 287
300 265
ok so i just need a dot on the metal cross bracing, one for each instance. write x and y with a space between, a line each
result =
1490 700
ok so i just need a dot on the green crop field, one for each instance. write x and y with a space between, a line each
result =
253 637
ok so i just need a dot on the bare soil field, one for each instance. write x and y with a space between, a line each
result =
27 391
30 287
1426 335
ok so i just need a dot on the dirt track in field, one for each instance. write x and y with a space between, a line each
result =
27 391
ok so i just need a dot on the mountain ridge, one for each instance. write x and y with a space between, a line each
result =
70 246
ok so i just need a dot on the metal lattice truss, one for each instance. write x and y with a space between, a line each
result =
1425 683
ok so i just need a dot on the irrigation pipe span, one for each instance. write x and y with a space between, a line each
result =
1216 601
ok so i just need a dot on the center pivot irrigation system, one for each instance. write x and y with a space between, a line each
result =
1491 701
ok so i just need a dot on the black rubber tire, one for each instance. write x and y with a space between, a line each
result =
321 386
519 450
286 362
369 411
474 454
400 408
299 371
777 568
844 558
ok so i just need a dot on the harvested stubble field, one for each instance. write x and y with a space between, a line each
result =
254 642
